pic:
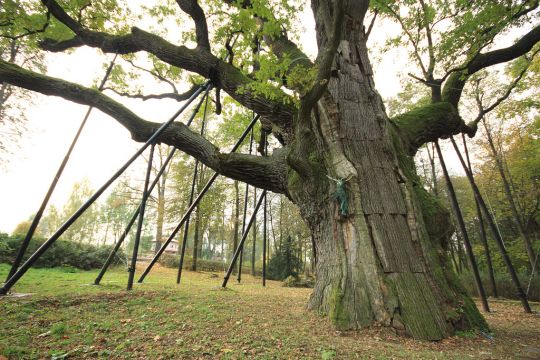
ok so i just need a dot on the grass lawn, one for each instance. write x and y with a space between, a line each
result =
65 317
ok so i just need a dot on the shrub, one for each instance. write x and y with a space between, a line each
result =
299 282
284 263
61 253
503 282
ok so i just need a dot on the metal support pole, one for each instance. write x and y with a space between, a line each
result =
504 254
264 219
239 278
463 229
482 230
244 237
24 267
191 195
132 221
154 183
39 214
264 241
194 204
137 240
186 227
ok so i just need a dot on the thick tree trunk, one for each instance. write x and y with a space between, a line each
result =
383 263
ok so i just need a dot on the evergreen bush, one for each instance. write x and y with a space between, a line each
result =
284 262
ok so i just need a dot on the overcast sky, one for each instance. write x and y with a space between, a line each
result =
104 144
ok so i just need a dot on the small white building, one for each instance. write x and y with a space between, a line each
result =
172 248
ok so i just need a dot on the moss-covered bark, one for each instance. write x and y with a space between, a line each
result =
385 263
427 124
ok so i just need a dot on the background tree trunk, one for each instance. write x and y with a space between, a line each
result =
160 211
254 235
236 218
497 157
196 239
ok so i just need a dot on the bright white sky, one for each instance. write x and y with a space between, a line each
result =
105 145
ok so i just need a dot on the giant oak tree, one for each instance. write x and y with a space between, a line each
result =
381 259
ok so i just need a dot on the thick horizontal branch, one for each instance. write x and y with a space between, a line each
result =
429 123
453 87
267 173
199 60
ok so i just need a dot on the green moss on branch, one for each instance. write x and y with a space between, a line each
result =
428 123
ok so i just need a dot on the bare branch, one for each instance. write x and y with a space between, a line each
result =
173 95
155 74
483 111
411 39
368 32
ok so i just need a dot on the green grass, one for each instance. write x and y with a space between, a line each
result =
67 317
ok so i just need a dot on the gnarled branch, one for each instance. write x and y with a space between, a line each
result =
453 87
264 172
199 60
428 123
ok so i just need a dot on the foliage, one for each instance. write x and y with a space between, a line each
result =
18 49
83 228
285 262
61 253
118 208
413 95
458 29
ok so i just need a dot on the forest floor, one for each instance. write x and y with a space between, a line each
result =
65 317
